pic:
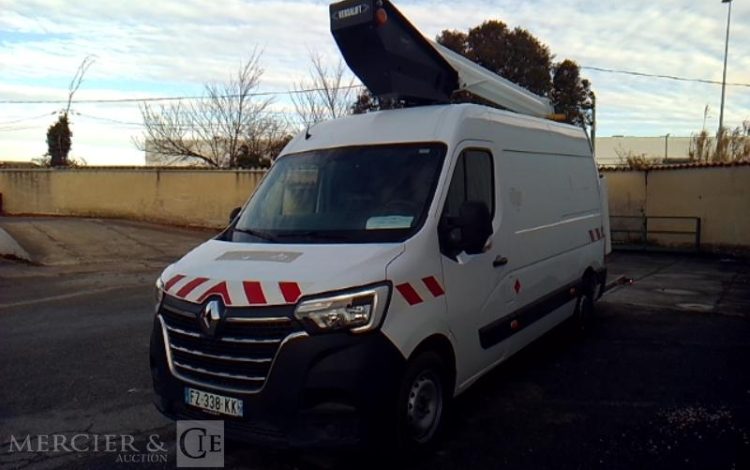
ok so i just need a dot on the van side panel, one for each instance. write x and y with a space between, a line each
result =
548 224
551 202
551 208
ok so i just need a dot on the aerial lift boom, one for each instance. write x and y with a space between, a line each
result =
396 62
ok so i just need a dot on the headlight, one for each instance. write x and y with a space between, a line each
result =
158 293
359 310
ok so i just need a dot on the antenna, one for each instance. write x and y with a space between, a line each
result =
395 61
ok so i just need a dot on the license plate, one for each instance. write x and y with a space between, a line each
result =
212 402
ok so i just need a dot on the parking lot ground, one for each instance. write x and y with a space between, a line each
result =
662 379
71 257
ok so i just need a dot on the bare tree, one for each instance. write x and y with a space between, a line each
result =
216 129
265 145
701 147
59 135
728 145
75 83
326 94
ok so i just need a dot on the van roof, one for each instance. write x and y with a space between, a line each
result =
439 123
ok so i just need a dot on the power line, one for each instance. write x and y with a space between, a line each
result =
8 125
174 98
290 92
142 124
31 118
314 90
16 129
118 100
100 118
668 77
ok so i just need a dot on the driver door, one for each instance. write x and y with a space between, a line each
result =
470 280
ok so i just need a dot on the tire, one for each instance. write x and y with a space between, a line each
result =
585 305
422 401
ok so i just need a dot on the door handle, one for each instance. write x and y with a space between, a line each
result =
499 261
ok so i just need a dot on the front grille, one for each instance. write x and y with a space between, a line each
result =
238 357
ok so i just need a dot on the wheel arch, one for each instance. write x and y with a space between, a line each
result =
441 345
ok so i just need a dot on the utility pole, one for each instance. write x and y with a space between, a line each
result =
593 123
724 79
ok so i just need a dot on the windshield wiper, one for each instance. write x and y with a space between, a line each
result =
257 233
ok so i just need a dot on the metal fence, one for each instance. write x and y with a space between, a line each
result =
657 233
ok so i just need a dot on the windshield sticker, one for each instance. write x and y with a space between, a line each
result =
389 222
271 256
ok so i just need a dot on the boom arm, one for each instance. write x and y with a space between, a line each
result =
479 81
395 61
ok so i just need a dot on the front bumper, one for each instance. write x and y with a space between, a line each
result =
334 389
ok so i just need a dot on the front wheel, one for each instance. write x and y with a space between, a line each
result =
422 400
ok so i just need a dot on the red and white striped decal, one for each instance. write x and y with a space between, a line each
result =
233 293
254 293
173 281
409 294
189 287
415 293
290 291
219 290
596 234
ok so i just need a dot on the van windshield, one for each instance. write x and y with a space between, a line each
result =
346 195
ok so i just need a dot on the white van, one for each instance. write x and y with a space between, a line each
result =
387 260
384 264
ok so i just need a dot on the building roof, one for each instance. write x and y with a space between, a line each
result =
677 166
18 164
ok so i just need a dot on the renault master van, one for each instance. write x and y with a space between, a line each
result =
384 264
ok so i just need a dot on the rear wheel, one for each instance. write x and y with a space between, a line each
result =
422 400
585 306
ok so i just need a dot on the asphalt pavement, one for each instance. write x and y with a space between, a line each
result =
662 379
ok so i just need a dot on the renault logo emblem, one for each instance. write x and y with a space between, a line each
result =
211 316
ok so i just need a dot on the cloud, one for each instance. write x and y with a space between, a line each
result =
147 48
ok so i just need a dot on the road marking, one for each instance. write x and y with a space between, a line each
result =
69 296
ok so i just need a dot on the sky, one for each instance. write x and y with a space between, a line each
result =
172 48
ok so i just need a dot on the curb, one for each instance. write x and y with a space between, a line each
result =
9 248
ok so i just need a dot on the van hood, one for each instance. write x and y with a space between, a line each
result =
254 274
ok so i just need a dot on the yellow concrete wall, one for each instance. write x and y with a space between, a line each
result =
720 196
627 192
184 196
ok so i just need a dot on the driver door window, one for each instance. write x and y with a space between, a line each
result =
473 180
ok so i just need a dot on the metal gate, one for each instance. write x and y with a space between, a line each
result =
655 233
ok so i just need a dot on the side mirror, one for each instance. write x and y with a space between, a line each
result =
470 230
233 215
